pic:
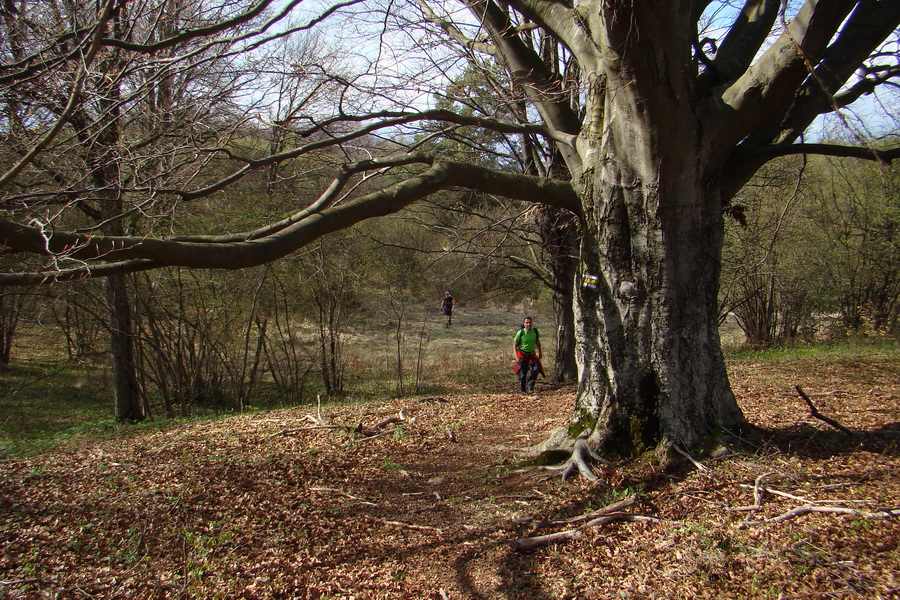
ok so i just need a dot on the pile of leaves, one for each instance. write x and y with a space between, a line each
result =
428 498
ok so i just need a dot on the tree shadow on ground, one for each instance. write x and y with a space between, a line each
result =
807 441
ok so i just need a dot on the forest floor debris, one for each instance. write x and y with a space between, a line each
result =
269 505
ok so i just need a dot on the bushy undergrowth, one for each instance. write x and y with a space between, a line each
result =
48 401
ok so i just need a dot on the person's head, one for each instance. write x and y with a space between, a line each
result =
447 294
527 322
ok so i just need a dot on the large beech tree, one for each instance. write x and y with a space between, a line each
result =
677 103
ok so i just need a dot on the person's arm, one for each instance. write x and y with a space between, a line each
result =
540 352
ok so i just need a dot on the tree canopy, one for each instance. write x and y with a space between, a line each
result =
755 76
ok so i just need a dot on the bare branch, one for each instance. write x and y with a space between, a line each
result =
261 250
742 42
774 78
769 152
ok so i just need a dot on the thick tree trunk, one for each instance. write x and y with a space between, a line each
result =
651 364
565 366
650 361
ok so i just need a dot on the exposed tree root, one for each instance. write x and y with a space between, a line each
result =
582 460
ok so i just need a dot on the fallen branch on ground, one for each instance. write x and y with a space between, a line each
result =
310 428
689 457
605 515
370 433
530 543
342 493
806 508
398 418
410 525
815 413
886 513
607 510
378 435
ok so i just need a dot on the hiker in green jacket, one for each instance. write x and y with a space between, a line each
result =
528 353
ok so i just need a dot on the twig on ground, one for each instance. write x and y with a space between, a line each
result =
689 457
757 495
410 525
815 412
887 513
342 493
757 488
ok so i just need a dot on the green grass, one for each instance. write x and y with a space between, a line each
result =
44 403
853 349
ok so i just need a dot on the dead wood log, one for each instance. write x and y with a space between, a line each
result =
606 510
530 543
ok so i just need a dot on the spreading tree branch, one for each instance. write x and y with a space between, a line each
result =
261 250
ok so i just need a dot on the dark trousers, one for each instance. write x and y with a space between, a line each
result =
528 371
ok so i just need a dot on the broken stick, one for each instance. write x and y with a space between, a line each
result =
815 412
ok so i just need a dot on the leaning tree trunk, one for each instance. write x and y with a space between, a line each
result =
650 360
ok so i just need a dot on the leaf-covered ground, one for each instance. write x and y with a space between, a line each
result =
274 505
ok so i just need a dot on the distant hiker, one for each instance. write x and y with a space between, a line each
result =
527 349
447 303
